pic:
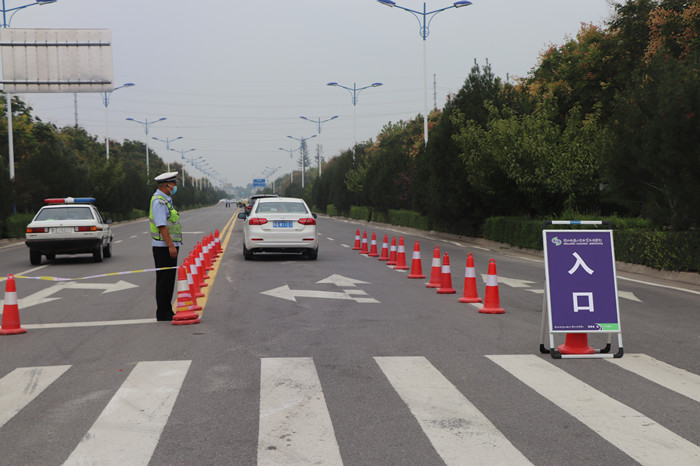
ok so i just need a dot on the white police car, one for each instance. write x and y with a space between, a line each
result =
68 226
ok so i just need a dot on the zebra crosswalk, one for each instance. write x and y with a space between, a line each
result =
295 426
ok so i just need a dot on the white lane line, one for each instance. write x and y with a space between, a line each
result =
22 385
460 433
295 426
638 436
679 380
128 429
90 324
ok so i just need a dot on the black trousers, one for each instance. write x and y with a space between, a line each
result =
165 282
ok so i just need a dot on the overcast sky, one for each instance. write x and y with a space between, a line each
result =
233 77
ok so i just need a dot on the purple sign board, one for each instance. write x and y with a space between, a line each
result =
581 281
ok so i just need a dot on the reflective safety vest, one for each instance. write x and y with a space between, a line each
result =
172 221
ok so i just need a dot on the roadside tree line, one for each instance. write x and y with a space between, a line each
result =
62 162
606 124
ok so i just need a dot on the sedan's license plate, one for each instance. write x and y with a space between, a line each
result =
62 230
281 224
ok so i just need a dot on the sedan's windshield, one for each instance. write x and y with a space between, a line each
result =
65 213
281 207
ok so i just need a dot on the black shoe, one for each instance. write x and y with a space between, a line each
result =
164 319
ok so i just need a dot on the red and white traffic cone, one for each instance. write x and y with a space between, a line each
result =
576 343
492 303
201 264
194 291
357 246
207 253
10 310
194 276
470 294
416 263
363 248
217 241
184 314
446 277
385 250
373 247
392 252
197 261
435 270
401 256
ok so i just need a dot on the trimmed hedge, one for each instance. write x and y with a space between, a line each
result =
635 241
409 218
16 225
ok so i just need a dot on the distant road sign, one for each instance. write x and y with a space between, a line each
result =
259 182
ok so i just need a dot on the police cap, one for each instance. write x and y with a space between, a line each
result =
168 177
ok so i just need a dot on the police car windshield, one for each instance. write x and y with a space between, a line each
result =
65 213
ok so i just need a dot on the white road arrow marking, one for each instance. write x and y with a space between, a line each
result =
350 291
107 287
340 281
284 292
628 295
44 296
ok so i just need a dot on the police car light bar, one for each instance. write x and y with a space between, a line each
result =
69 200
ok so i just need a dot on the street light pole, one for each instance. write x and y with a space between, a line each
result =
8 96
318 123
291 151
302 140
167 144
424 19
354 92
182 155
145 125
105 100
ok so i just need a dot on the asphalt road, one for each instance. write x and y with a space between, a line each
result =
339 360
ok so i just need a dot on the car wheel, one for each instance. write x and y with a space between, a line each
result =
107 250
97 254
34 257
51 256
312 254
247 255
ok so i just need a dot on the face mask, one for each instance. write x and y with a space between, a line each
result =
174 190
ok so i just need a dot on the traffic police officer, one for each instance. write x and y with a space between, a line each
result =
166 239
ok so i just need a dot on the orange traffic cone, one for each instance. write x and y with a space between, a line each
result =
197 261
385 250
576 343
207 253
194 291
217 240
470 295
401 256
10 310
373 247
363 249
356 247
492 303
194 278
435 270
392 252
184 314
446 277
416 264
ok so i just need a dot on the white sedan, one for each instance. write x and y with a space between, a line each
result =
280 224
68 226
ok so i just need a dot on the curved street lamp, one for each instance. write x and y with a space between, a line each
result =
145 125
6 22
167 144
105 100
354 92
424 19
302 148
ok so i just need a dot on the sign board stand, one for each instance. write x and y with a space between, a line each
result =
580 290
